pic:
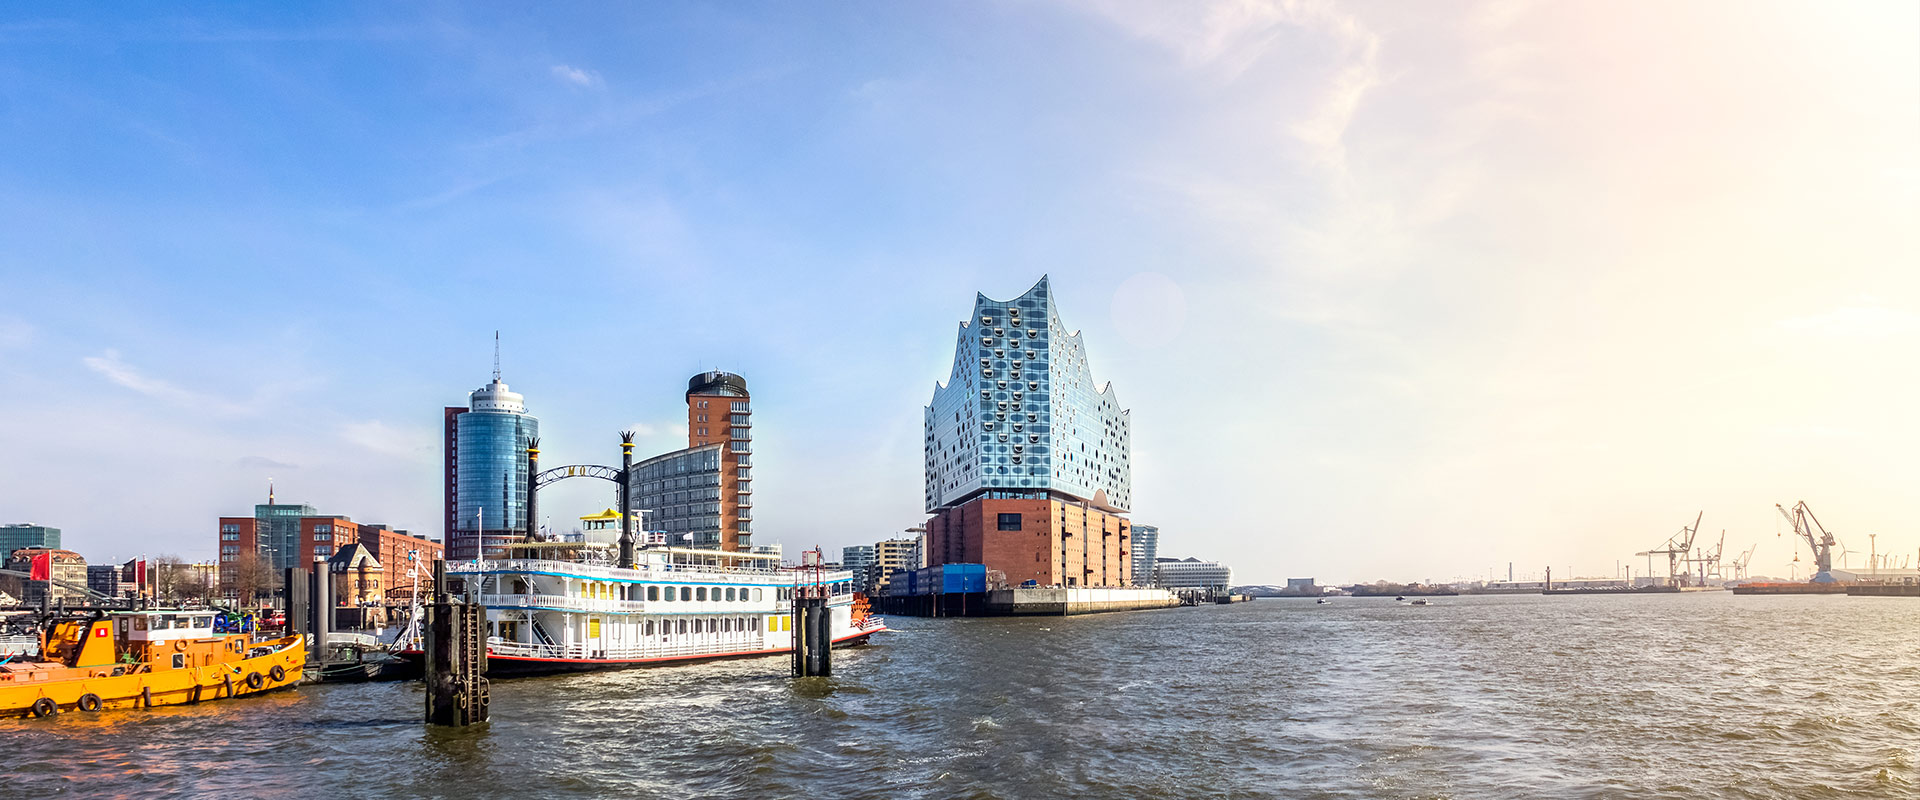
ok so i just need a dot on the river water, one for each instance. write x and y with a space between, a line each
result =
1680 696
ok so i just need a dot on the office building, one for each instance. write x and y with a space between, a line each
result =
1027 460
702 496
1146 548
859 560
407 559
104 579
678 495
1192 573
26 534
892 557
272 534
486 470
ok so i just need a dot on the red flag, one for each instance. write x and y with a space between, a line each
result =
42 569
140 573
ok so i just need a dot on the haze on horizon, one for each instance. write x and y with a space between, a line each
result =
1392 291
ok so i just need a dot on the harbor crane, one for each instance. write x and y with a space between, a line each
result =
1822 544
1707 562
1740 563
1676 549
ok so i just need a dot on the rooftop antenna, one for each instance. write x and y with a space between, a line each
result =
269 490
496 356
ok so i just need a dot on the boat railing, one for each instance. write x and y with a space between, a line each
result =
748 642
641 572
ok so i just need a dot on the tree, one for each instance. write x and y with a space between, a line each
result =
169 575
247 575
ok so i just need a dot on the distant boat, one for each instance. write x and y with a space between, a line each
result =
1323 601
1418 603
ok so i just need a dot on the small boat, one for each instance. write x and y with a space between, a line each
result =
141 659
1418 603
1399 597
1323 601
359 662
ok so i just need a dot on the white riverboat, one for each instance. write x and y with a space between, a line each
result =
565 606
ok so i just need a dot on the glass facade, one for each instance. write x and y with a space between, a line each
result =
492 479
16 537
277 536
1021 411
681 492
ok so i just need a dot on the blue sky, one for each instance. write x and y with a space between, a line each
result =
1391 291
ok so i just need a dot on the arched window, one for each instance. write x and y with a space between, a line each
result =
756 595
683 626
686 594
700 594
653 593
730 595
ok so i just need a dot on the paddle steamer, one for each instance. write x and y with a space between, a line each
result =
565 606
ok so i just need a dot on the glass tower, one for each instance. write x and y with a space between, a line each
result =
1021 415
490 483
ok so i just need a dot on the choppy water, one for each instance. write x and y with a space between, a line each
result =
1681 696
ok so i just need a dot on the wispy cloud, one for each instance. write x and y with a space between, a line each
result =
262 462
576 76
412 443
110 366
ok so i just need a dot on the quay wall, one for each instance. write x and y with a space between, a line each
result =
1028 602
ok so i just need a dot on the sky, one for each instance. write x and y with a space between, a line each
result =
1392 291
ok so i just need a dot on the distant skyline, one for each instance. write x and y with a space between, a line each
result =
1436 287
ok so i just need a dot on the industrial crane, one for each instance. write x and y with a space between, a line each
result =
1707 564
1805 524
1676 549
1740 563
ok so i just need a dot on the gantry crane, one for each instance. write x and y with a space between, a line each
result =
1676 549
1805 524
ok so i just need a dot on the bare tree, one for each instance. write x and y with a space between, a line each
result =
169 576
248 575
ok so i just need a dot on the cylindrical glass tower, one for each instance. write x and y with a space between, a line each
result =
491 474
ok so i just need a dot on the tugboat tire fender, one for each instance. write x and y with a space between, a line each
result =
89 702
255 681
227 681
278 673
45 707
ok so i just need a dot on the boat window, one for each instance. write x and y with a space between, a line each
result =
179 660
203 622
686 593
754 624
653 593
683 626
729 595
726 626
700 593
756 595
139 623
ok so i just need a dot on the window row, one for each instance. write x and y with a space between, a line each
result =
702 594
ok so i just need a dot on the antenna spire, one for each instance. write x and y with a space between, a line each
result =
496 356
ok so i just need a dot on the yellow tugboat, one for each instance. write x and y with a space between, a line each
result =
141 659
